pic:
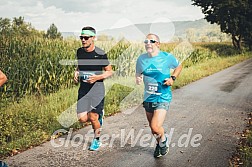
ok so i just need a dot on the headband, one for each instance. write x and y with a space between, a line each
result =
87 32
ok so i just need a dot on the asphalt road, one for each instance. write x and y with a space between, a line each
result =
204 124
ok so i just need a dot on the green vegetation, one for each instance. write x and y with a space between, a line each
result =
246 152
53 33
31 60
233 16
245 147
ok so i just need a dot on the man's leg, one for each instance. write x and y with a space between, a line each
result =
101 114
93 118
157 123
156 120
157 126
83 117
149 116
97 94
100 119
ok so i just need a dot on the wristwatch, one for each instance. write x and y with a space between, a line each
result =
173 78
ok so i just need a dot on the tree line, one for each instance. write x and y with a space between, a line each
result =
18 27
233 17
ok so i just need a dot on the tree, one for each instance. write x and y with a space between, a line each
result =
4 24
233 16
52 32
17 27
20 27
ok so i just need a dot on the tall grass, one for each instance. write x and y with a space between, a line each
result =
32 66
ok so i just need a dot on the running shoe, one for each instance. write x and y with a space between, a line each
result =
95 145
164 148
157 152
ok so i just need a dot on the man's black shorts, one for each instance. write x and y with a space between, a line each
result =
91 98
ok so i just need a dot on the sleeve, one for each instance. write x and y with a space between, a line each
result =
77 58
174 62
105 60
138 66
77 54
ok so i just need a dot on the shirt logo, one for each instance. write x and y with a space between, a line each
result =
153 69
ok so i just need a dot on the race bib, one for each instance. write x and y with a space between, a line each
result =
152 88
85 75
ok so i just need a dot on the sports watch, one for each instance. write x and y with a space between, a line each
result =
173 78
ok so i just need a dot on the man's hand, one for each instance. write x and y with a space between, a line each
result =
76 76
168 82
93 78
139 80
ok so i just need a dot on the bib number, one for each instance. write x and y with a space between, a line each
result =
152 88
85 75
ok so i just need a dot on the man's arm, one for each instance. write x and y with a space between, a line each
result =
76 74
3 78
139 78
176 72
107 73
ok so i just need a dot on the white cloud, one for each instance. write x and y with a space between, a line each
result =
72 15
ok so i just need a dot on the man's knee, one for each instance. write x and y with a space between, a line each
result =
83 117
93 117
155 129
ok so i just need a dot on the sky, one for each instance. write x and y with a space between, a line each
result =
72 15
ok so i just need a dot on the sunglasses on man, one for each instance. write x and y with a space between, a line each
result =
150 41
85 37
